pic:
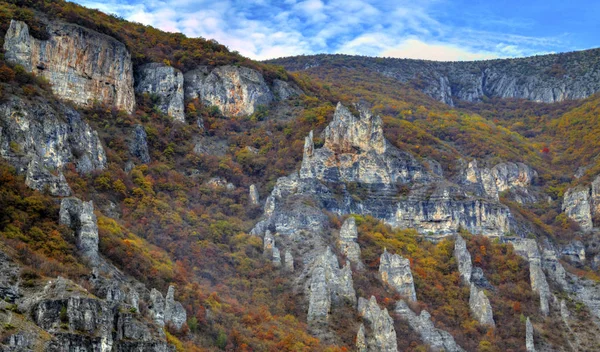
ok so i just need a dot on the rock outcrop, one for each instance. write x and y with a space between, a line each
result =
529 345
546 78
83 66
329 286
480 307
166 83
253 195
285 90
138 146
79 216
577 206
236 91
367 171
395 271
437 339
382 335
39 138
348 243
582 204
463 259
528 249
174 312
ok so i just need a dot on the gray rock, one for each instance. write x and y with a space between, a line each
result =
83 66
382 336
285 90
157 307
528 249
574 252
361 340
478 278
138 146
236 91
174 312
463 259
253 195
288 261
577 206
79 216
480 306
40 138
437 339
395 271
167 83
329 286
348 242
529 345
9 278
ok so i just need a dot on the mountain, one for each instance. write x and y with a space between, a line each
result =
161 193
545 78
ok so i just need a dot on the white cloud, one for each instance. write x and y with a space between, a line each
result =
416 49
262 29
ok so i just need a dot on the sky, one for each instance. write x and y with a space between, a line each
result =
443 30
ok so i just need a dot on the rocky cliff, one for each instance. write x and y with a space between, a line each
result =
546 78
166 83
39 138
355 151
382 335
395 271
83 66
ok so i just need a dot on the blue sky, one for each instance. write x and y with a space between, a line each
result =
426 29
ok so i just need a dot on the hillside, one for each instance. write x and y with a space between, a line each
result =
545 78
178 196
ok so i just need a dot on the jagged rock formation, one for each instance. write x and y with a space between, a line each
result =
361 339
355 151
395 271
174 312
480 307
329 286
463 259
138 146
513 177
581 204
270 250
529 250
66 317
253 195
529 345
382 336
83 66
547 78
348 243
288 261
574 252
437 339
166 82
40 138
236 91
79 216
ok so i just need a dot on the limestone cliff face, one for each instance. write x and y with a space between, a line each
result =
529 344
480 307
348 243
437 339
463 259
546 78
236 91
382 336
167 83
395 271
582 203
355 151
329 286
80 217
40 138
83 66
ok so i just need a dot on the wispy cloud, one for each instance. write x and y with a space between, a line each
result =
263 29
